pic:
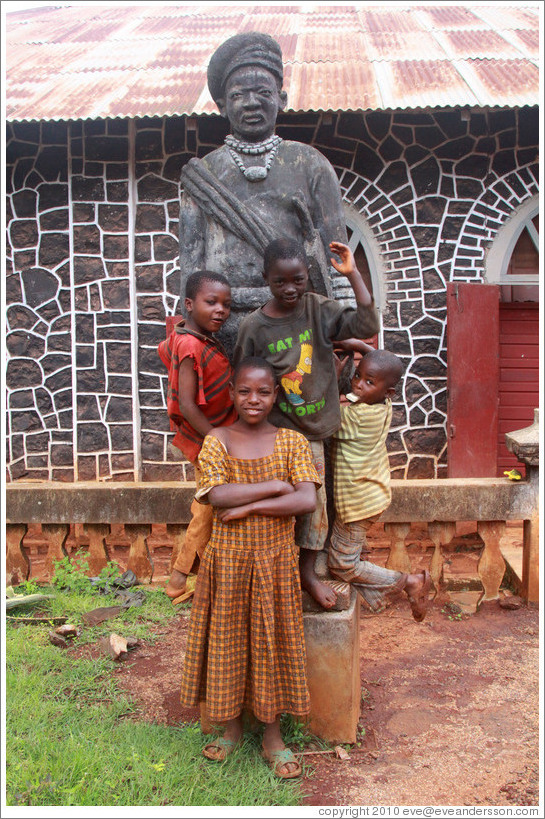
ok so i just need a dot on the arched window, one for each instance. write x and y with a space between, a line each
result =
513 259
366 251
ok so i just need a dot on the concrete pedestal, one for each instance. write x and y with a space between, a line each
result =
333 671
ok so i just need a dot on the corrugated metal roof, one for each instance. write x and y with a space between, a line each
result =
129 60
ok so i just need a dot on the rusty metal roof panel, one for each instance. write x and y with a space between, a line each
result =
132 60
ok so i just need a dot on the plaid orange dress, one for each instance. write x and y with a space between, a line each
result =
246 644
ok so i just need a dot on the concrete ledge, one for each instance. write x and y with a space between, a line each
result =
448 499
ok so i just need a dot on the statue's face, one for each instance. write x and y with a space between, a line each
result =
251 103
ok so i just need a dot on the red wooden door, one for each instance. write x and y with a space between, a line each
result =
472 378
519 374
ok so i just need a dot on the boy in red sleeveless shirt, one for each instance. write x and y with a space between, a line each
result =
198 396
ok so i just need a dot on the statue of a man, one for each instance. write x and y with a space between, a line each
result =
257 187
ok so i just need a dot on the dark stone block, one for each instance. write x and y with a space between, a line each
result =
54 249
503 162
92 127
117 126
52 363
22 372
152 446
432 280
117 191
81 299
55 220
119 409
115 293
403 133
173 166
150 335
450 123
425 236
21 399
83 213
20 150
404 195
154 419
415 154
107 148
39 285
394 177
430 209
425 177
440 400
456 148
429 440
142 249
52 163
113 317
117 270
87 468
150 218
84 189
87 408
478 124
62 455
64 400
175 131
527 156
113 218
378 124
38 442
119 384
95 303
409 311
23 233
116 246
85 355
398 341
25 421
149 382
44 401
452 227
367 162
88 269
434 301
118 356
116 171
152 399
486 145
122 437
27 131
61 324
86 239
468 189
52 195
427 327
149 361
13 289
24 204
528 126
416 417
20 317
154 189
20 174
149 145
25 344
421 467
429 136
501 120
92 437
165 248
151 308
475 166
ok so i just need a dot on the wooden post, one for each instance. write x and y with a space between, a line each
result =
440 533
17 563
140 561
398 559
56 535
491 566
98 554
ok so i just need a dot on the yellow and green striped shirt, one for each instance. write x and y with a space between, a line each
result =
361 469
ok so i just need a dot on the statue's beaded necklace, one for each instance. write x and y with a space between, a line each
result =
254 172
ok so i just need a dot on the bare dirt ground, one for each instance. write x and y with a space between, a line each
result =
449 710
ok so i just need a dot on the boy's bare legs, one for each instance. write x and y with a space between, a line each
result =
320 591
176 585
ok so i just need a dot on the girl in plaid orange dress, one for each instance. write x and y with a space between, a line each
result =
246 645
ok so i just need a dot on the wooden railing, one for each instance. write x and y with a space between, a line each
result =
97 507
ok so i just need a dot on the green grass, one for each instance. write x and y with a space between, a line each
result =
74 739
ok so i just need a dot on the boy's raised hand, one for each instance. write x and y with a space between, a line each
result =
347 265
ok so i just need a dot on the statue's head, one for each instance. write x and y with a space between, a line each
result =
245 78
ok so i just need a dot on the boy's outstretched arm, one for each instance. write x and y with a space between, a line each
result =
355 345
347 267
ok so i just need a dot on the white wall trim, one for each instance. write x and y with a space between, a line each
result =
498 256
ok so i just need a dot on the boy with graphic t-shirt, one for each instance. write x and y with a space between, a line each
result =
295 331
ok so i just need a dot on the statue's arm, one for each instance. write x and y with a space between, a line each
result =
192 238
326 205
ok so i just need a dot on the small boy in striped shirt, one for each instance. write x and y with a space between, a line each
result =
361 481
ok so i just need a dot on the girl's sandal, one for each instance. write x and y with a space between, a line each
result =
280 759
419 602
219 749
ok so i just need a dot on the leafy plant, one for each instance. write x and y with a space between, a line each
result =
71 574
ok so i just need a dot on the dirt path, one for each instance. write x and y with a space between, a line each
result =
450 709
